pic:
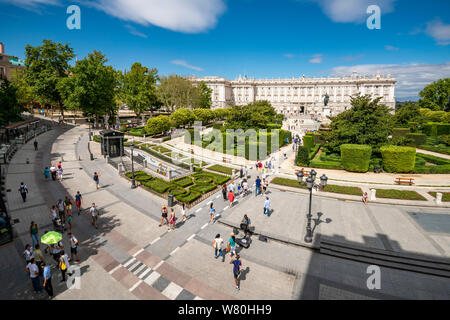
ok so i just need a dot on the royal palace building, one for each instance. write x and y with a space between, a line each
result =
300 96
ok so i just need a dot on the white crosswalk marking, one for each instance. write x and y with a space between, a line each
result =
129 263
172 291
153 242
114 270
225 208
175 250
133 265
145 273
158 265
134 255
198 209
152 278
191 237
139 269
135 285
204 226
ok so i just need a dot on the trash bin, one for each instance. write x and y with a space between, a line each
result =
170 200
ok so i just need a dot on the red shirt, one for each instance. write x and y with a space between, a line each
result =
231 196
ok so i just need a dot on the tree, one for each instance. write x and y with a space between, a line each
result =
203 115
46 66
182 117
222 113
157 125
92 86
203 96
256 115
409 112
367 122
138 90
10 106
25 94
176 92
436 96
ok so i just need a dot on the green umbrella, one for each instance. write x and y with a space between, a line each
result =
51 237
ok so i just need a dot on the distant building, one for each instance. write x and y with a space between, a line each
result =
8 63
300 97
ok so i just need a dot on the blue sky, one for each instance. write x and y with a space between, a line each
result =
264 38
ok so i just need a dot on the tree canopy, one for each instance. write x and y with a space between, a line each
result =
256 115
10 106
157 124
182 117
409 112
436 95
204 96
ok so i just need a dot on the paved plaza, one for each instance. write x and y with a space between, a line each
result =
130 257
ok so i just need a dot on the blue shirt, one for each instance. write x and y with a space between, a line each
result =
47 273
211 210
258 182
78 197
236 265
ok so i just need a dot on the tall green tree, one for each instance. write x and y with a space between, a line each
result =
138 89
92 86
176 92
256 115
367 122
409 112
203 96
25 95
46 66
182 117
436 96
10 106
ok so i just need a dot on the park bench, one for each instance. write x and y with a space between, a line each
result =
225 160
305 172
404 181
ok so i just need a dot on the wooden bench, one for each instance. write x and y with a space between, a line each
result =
404 181
225 160
305 172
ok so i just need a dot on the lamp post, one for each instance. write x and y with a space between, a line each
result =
89 125
133 182
310 184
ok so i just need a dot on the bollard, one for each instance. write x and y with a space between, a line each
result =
373 194
438 198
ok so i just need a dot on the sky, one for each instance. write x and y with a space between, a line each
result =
258 38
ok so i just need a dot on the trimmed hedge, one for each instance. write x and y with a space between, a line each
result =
436 128
336 165
97 139
417 138
203 188
188 197
400 132
398 159
183 182
356 157
302 158
287 182
157 185
308 141
313 151
433 159
442 148
221 169
398 194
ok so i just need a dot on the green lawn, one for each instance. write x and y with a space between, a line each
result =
161 149
221 169
445 195
287 182
399 194
356 191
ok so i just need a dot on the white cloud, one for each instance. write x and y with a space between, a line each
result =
317 58
132 30
189 16
411 78
33 5
186 65
352 10
289 55
439 31
391 48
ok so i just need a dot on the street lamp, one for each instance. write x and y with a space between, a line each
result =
133 182
310 185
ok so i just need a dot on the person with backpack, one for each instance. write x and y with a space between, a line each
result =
63 265
96 179
237 263
217 245
73 247
23 191
78 201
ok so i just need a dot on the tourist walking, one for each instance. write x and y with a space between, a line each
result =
231 198
33 271
39 257
237 263
28 254
34 232
53 172
264 186
231 248
78 198
47 280
164 213
61 210
245 187
54 216
35 143
257 186
246 172
69 220
172 220
60 173
46 173
267 207
94 215
23 190
224 191
63 265
211 212
217 245
183 212
73 247
55 250
97 179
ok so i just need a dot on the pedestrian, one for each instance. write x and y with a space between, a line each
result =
264 186
68 205
245 187
39 257
231 248
241 172
246 172
267 206
35 145
55 250
237 263
97 179
78 201
59 165
217 245
94 215
211 212
34 232
23 189
61 210
172 220
245 223
46 173
33 271
224 191
365 198
257 186
63 265
53 172
47 280
60 173
28 254
231 198
53 215
69 220
183 212
164 213
73 247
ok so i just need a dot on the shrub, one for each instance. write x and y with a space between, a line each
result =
157 185
188 197
203 179
157 125
143 177
183 182
97 139
221 169
417 138
439 149
356 157
436 128
400 132
176 190
336 165
419 163
308 141
399 194
287 182
218 178
313 151
302 157
398 159
433 159
203 188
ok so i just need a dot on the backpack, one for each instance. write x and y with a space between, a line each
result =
22 189
63 264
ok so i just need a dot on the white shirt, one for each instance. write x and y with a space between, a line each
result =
61 206
33 268
65 257
72 242
52 169
267 204
219 242
54 215
183 211
93 211
28 254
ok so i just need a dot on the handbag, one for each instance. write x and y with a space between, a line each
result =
228 247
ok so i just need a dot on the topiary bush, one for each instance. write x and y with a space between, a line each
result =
356 157
436 128
302 157
400 132
188 197
308 141
417 138
398 159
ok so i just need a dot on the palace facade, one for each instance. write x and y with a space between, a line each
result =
302 96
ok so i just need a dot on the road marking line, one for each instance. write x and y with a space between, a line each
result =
172 291
113 270
152 278
209 202
158 265
135 285
218 196
175 250
204 226
133 265
225 208
198 209
139 269
191 237
129 263
134 255
145 273
155 240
